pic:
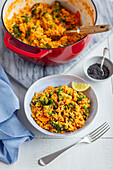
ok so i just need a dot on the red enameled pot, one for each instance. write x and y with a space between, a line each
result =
53 56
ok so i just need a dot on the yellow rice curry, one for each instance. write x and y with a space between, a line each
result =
60 109
42 25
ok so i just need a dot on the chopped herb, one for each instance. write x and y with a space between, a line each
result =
27 18
44 14
70 28
62 112
51 101
74 26
84 113
56 126
34 102
54 18
58 6
79 38
71 105
57 10
34 11
58 16
79 99
48 46
66 44
28 33
34 27
30 42
65 16
16 31
49 122
47 19
62 20
83 96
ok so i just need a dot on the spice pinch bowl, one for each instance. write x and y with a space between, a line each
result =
97 59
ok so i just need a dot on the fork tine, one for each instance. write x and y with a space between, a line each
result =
100 134
99 130
96 129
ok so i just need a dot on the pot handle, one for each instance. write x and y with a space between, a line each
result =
39 55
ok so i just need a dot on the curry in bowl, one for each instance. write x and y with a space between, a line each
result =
60 109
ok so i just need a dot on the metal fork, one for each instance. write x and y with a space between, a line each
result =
91 137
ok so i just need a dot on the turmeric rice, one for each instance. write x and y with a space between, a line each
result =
60 109
43 25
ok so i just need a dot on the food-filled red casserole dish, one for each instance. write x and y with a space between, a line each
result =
48 55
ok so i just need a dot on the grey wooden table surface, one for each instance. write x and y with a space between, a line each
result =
96 156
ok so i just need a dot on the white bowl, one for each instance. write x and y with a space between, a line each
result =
58 80
98 59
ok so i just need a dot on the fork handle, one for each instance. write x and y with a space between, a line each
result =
47 159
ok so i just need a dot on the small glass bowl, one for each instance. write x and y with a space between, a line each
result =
98 59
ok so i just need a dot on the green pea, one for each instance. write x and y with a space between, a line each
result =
70 93
57 91
85 107
47 95
52 25
79 92
83 96
49 112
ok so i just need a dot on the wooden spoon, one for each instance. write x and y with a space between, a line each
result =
91 29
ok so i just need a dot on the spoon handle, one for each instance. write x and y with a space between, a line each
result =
91 29
104 53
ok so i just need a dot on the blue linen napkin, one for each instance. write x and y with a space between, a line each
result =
12 132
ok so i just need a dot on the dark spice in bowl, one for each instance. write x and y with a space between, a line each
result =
95 72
